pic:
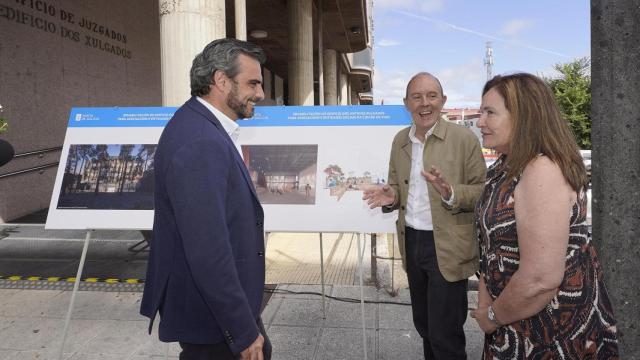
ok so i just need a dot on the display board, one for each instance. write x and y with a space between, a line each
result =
309 166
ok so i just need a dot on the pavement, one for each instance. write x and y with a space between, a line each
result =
106 325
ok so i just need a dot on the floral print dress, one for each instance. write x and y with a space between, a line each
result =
578 323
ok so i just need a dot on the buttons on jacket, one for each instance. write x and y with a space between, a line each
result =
402 207
261 253
406 181
228 336
260 223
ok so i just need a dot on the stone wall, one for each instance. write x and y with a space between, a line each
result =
55 55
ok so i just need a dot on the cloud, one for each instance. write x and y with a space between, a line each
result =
427 6
393 3
430 6
462 84
514 27
390 86
443 24
388 42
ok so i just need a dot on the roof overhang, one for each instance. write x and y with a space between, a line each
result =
345 28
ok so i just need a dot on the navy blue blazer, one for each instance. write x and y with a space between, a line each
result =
205 274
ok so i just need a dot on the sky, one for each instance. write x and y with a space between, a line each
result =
448 39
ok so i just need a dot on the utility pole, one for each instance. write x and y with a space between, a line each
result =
488 60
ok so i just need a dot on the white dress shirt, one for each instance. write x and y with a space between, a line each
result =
230 126
418 214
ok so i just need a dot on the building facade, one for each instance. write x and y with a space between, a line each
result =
59 54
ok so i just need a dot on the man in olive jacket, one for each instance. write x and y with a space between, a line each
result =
436 174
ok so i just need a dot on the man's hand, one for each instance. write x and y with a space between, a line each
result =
377 195
254 351
439 183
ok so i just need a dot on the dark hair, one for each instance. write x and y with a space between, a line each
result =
538 127
423 73
221 54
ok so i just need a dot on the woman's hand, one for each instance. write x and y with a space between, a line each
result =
482 318
481 313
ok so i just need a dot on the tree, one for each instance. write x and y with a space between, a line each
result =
572 90
125 155
101 154
333 169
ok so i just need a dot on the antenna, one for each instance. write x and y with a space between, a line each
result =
488 60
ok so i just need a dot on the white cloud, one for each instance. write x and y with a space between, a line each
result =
388 42
514 27
430 6
427 6
389 87
393 3
462 84
444 24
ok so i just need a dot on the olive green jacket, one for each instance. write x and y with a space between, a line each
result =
456 151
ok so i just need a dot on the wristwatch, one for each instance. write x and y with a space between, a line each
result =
492 316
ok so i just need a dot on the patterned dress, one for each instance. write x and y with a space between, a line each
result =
578 323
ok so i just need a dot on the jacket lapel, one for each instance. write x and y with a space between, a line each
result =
406 146
194 104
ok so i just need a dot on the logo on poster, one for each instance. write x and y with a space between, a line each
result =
86 117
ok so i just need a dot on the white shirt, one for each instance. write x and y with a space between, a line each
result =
230 126
418 214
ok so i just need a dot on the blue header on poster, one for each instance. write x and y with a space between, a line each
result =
364 115
121 117
368 115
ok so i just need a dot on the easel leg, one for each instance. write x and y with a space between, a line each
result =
76 286
364 328
324 313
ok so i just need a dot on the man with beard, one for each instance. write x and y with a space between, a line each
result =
206 267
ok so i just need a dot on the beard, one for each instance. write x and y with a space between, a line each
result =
243 110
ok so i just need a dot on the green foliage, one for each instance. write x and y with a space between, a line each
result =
573 93
4 126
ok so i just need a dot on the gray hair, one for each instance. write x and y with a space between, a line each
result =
423 73
221 54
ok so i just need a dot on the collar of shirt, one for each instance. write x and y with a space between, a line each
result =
412 132
230 126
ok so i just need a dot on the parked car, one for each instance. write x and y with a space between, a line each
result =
586 158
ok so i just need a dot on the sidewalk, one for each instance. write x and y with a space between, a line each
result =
106 325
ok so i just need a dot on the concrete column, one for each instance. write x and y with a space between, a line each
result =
279 88
343 88
320 56
241 19
185 28
615 135
300 57
266 83
330 72
355 99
